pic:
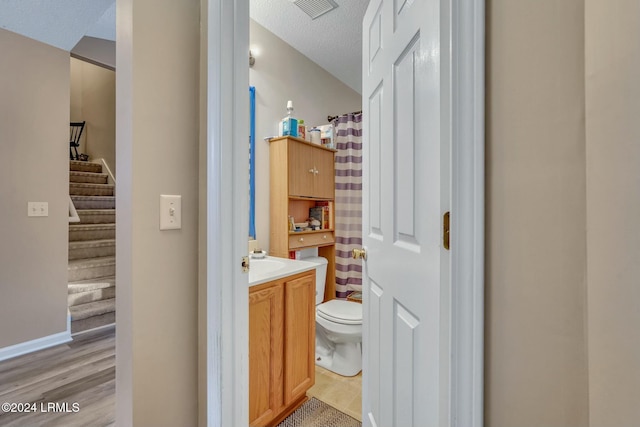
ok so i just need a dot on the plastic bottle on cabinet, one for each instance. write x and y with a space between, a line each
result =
289 125
302 130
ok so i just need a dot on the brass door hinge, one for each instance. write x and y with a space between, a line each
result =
445 230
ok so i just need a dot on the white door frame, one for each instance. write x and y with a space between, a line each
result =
467 213
224 214
225 332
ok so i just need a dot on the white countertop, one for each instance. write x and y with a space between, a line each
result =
272 268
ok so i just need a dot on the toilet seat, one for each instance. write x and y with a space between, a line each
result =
339 311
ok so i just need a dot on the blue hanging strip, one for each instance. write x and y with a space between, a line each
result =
252 163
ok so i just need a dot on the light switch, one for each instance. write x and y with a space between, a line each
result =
170 212
38 209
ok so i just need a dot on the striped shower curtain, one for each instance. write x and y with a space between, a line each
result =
348 209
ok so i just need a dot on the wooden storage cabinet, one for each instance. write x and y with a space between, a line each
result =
311 170
281 347
301 175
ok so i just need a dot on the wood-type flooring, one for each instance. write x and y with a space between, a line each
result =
70 385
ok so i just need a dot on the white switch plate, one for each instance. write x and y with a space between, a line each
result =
170 212
38 209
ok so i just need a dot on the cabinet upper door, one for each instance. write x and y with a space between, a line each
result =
301 169
324 164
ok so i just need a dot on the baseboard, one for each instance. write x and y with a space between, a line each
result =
37 344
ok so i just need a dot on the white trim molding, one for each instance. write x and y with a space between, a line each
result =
224 214
467 214
37 344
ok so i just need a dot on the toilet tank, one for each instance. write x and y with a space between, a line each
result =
321 276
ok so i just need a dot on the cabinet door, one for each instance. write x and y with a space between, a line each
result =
300 336
325 177
301 169
266 329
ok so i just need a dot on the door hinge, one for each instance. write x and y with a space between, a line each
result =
445 230
245 264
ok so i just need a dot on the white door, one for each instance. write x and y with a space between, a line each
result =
406 192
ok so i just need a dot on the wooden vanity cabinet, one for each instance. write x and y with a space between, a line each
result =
281 347
266 334
301 174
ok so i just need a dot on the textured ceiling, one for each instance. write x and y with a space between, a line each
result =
60 23
105 27
333 41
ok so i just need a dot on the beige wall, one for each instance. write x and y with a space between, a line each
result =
34 117
279 74
93 99
613 210
157 153
536 364
97 51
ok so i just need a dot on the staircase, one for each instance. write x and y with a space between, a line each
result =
92 248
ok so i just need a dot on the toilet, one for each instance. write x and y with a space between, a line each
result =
338 329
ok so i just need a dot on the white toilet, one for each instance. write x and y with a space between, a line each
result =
338 329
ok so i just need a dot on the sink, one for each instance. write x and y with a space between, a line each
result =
271 268
260 267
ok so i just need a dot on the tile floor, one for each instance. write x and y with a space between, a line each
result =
343 393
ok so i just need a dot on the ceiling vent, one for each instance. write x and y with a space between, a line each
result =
315 8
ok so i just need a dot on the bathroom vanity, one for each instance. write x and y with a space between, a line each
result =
281 338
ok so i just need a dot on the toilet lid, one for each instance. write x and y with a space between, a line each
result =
340 311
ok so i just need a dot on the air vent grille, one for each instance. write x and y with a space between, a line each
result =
315 8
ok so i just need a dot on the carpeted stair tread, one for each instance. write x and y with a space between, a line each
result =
91 248
78 298
86 227
91 284
91 262
88 177
90 189
87 268
97 216
92 243
94 202
79 232
90 309
78 166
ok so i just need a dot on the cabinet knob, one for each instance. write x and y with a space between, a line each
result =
324 237
301 239
311 171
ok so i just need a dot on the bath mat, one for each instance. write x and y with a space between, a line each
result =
315 413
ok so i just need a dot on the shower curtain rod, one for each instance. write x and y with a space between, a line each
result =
332 118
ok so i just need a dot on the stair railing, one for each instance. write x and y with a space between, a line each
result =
73 214
75 132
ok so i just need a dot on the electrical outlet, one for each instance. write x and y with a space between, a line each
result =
38 209
170 212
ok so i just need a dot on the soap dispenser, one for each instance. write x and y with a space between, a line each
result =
289 125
